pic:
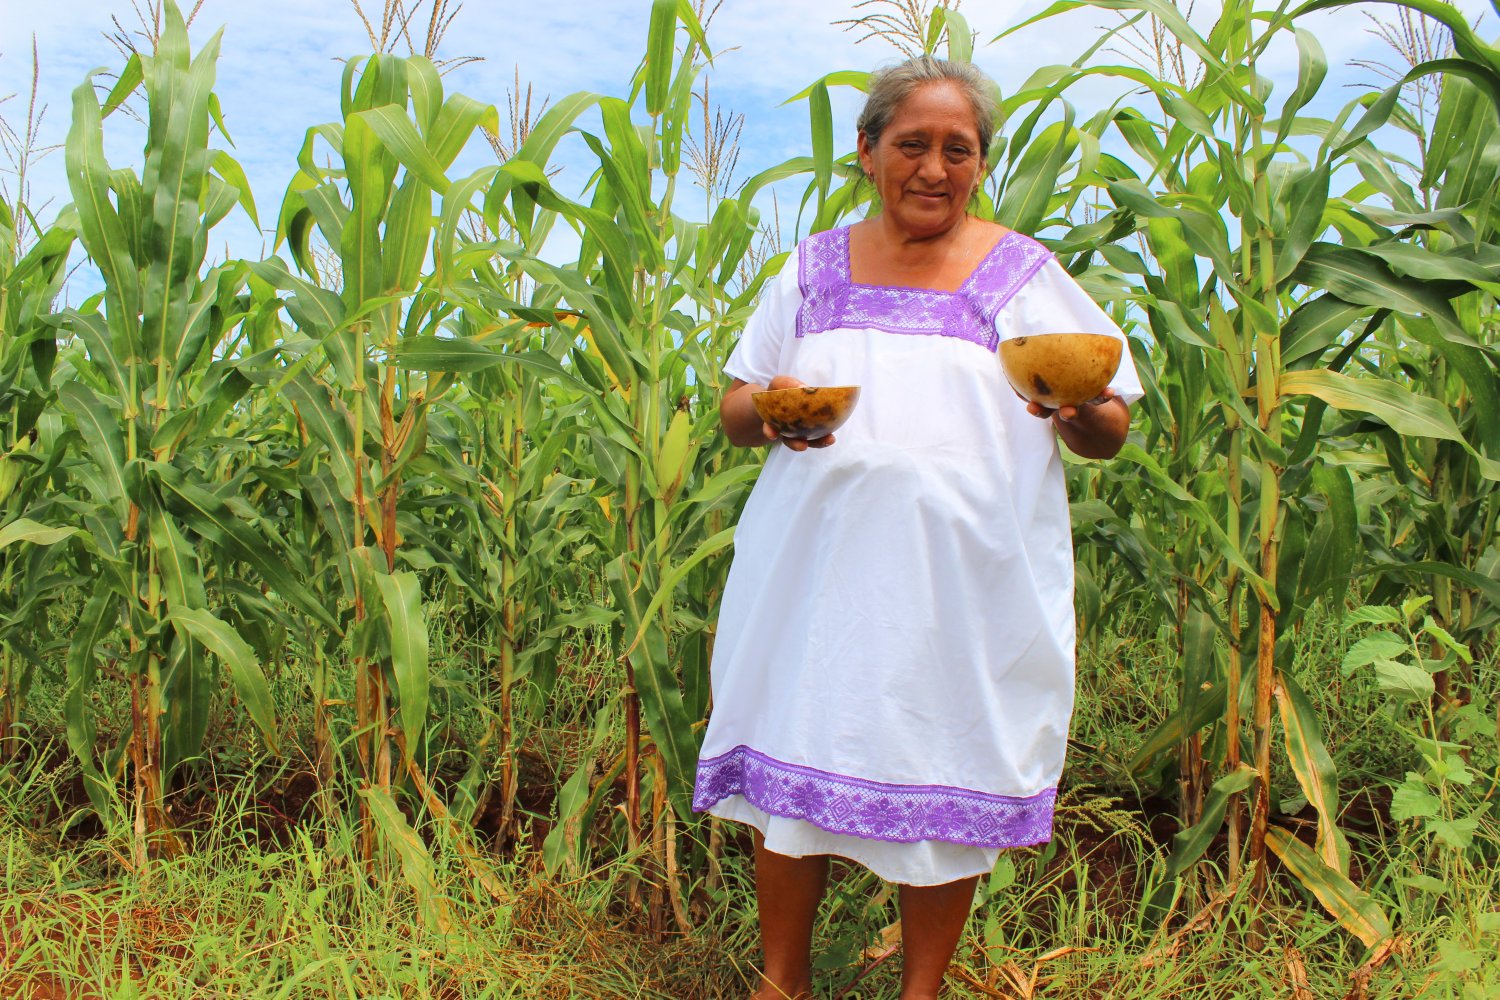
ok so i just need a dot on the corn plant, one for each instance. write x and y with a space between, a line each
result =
146 401
1264 309
30 575
363 412
647 319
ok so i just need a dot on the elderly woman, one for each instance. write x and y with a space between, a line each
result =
893 674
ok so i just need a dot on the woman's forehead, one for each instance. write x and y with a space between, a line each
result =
937 104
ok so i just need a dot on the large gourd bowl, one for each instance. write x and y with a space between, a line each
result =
806 411
1060 369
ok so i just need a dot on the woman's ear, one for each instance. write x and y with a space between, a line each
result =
866 157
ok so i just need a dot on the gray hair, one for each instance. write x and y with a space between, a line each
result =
891 86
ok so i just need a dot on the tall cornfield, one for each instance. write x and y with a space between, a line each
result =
389 496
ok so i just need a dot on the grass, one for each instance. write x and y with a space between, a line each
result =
269 903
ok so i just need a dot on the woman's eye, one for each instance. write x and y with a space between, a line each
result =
959 152
913 147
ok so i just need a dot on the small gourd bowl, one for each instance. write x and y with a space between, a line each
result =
1060 369
806 411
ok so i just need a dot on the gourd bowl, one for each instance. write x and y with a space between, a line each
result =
806 411
1060 369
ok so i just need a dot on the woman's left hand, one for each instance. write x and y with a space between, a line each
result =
1095 429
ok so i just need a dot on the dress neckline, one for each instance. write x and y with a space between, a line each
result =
973 273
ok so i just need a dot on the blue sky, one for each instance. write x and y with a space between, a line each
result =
280 69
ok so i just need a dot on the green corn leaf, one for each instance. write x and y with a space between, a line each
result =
426 87
101 433
399 136
408 230
208 515
555 123
1177 727
859 79
1316 325
229 168
1312 68
455 125
1190 845
1406 412
24 529
656 681
103 233
960 38
219 638
100 615
130 78
402 595
1353 908
1314 769
1030 187
370 179
660 54
417 866
457 203
820 111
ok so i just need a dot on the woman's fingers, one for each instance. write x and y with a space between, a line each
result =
1038 410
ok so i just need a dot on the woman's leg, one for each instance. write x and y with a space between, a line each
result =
787 891
932 919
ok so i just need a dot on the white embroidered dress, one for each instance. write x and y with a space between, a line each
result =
893 670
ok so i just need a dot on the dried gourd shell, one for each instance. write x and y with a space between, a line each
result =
1060 369
806 411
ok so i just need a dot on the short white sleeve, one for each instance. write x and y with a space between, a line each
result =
1052 302
757 357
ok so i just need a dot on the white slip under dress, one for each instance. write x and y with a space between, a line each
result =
893 671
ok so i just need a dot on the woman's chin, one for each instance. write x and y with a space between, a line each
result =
927 221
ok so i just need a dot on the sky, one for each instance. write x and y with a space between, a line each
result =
280 67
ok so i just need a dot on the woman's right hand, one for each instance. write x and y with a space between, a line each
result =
796 444
743 424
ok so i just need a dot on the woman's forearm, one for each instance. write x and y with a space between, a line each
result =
742 424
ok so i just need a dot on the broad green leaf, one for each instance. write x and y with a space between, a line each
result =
1380 646
660 54
1375 614
1406 412
417 866
219 638
1312 67
1404 681
1314 768
1355 911
24 529
1189 845
820 111
402 595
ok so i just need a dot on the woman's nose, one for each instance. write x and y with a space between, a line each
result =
931 164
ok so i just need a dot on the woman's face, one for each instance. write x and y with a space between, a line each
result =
927 163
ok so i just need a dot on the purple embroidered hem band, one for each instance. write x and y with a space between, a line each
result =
831 299
871 809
